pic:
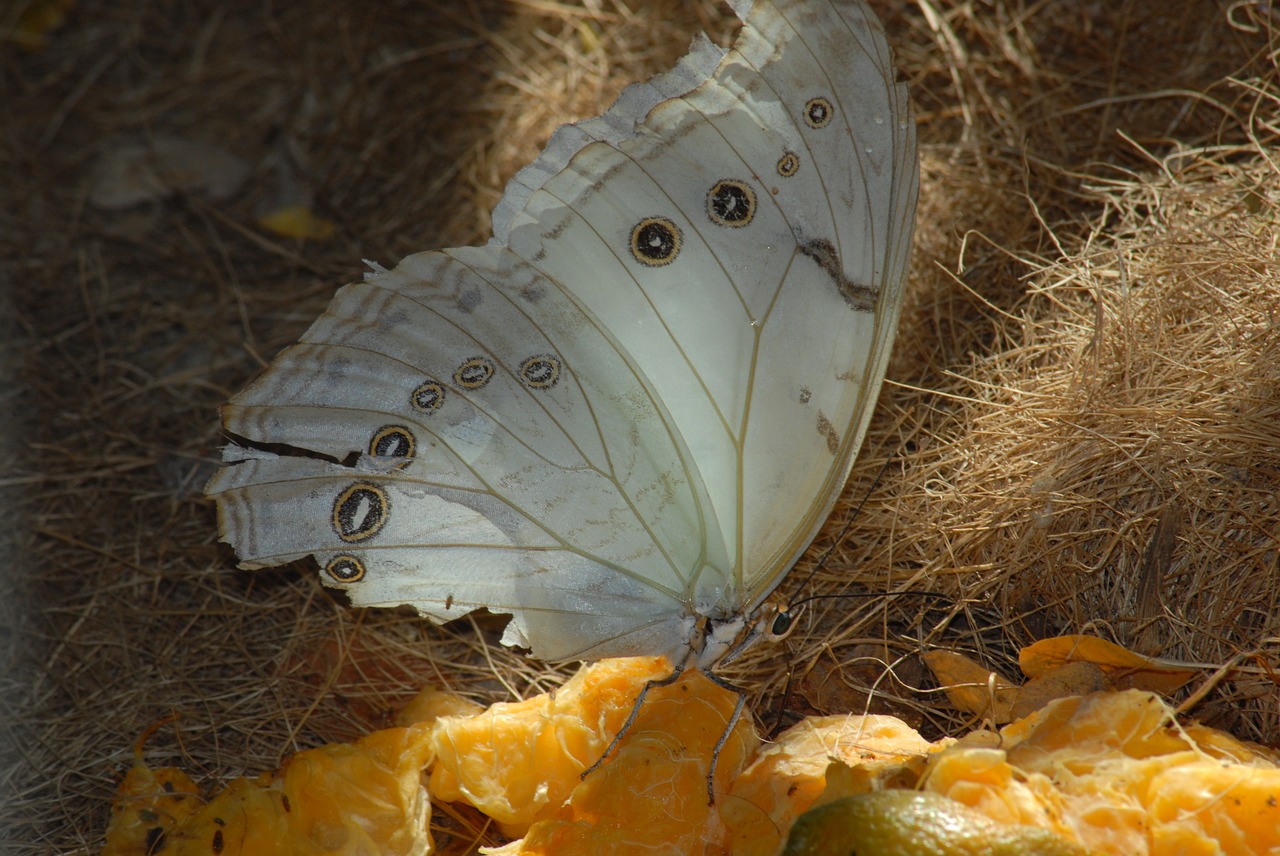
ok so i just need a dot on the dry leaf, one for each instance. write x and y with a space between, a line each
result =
973 688
1123 668
1073 679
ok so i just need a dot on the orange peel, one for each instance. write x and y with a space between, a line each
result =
342 799
1113 772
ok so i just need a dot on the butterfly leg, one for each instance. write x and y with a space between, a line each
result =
724 736
635 709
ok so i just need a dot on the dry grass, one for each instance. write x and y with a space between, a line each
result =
1092 346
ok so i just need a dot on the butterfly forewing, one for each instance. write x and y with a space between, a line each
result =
853 179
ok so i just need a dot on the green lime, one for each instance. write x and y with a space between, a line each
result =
912 823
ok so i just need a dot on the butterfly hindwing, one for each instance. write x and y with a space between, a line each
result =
521 454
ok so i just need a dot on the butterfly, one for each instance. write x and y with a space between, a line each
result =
623 419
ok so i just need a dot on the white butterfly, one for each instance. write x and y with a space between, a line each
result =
623 419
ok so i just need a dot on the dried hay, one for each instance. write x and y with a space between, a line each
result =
1091 348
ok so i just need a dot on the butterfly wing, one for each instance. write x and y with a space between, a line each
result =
829 333
473 440
757 227
637 403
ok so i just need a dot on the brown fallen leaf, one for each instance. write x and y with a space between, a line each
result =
1073 679
973 688
1122 668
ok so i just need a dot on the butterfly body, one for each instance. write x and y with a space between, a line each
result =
624 418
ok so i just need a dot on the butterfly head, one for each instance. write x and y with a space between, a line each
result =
721 640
